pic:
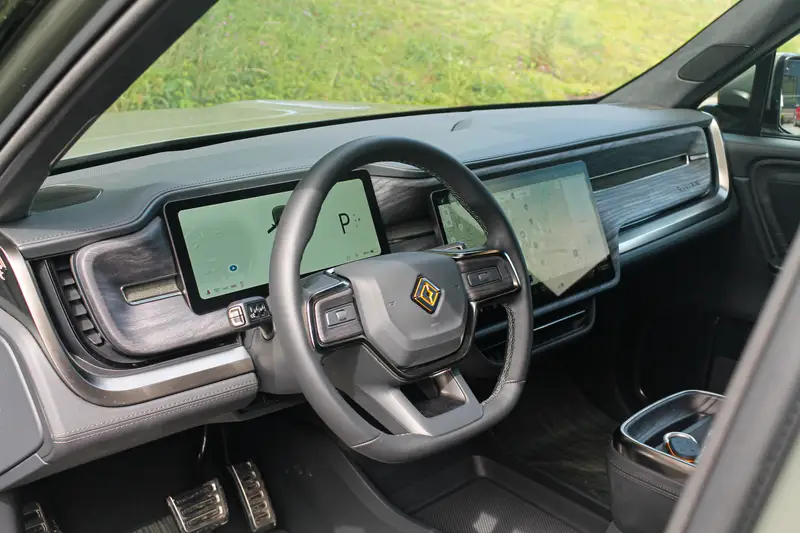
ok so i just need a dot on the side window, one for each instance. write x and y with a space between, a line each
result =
786 93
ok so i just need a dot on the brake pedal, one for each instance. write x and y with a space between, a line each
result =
200 509
253 493
34 519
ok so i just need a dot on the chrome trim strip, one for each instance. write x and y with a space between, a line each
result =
135 386
153 298
170 374
663 226
559 320
172 291
503 324
686 159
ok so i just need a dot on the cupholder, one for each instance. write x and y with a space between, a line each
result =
641 438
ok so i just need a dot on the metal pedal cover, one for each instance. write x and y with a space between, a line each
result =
34 520
253 493
200 509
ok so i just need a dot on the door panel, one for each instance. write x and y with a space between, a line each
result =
776 190
769 169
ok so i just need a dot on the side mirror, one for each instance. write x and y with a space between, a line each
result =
782 109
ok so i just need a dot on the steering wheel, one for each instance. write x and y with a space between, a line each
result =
370 327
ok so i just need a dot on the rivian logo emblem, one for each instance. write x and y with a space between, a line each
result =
426 294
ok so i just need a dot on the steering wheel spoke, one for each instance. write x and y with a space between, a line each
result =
450 403
332 311
488 275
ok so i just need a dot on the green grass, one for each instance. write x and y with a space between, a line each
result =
421 52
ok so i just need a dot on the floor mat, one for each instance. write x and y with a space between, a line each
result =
556 431
126 492
481 506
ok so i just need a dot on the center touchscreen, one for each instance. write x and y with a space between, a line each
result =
223 243
553 215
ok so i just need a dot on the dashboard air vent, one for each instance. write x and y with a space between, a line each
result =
76 308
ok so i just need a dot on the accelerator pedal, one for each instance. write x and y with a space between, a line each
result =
200 509
35 521
253 493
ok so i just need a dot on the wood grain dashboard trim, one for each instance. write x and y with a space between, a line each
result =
125 388
145 329
628 212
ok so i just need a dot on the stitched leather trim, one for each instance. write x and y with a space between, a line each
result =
664 491
168 408
95 434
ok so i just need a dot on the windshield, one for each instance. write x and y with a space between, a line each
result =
253 64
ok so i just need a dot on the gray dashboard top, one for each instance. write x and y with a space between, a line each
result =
134 189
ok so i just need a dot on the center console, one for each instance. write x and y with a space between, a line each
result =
652 455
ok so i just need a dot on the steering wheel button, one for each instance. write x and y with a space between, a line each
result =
335 317
236 317
483 277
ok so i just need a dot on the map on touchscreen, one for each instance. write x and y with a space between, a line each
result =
554 217
229 244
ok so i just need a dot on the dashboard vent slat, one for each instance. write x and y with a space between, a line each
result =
71 294
78 313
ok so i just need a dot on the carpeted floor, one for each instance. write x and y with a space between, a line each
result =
556 431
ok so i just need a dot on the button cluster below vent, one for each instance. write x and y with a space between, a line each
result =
73 301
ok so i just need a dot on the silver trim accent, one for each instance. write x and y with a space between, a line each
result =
686 159
135 387
200 509
671 434
657 456
253 495
559 320
126 289
154 298
34 519
663 226
681 434
503 324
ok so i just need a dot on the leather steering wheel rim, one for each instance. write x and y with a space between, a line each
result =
297 225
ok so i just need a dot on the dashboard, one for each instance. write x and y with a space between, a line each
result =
117 294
